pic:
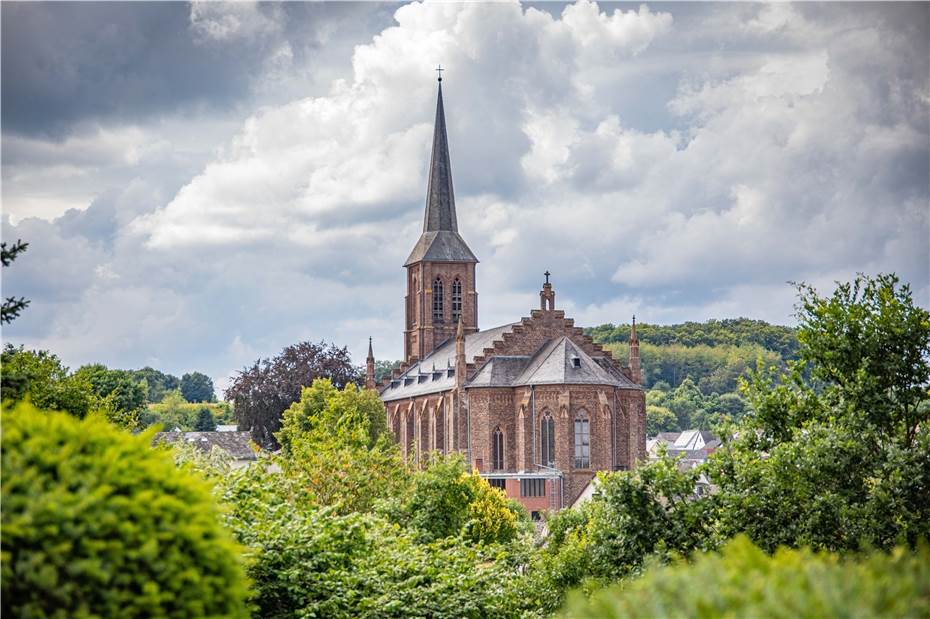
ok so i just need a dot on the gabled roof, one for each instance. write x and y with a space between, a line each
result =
440 241
562 362
499 371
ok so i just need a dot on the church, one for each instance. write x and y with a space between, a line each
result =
535 406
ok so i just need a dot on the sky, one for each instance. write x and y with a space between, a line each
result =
203 184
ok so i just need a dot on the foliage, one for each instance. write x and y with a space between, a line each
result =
122 395
175 412
354 415
205 421
97 523
742 581
158 384
634 515
686 407
12 306
660 419
384 368
308 561
262 392
837 460
447 501
197 387
731 332
335 442
40 376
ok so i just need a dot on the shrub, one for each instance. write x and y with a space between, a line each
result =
743 581
97 523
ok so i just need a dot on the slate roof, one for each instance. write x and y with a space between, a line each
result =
551 364
236 444
440 241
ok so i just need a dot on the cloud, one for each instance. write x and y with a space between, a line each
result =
679 163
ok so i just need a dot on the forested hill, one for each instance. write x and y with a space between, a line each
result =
727 332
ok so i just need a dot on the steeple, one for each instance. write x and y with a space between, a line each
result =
370 368
441 268
634 355
440 241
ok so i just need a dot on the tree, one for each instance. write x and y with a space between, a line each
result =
742 581
205 421
41 376
158 383
384 368
262 392
836 451
336 441
197 387
12 306
447 501
120 393
660 419
97 523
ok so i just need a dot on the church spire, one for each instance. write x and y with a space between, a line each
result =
440 199
440 241
370 368
635 369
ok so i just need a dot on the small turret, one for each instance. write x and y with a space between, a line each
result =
370 368
547 295
460 355
634 355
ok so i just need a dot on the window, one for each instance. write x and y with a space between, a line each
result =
456 299
532 487
497 449
437 300
582 442
501 484
547 440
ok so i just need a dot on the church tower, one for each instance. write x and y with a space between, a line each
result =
441 267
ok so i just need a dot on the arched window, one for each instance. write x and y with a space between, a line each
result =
582 441
437 300
456 299
547 440
497 450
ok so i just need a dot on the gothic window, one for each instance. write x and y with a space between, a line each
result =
437 300
582 441
456 299
497 450
547 440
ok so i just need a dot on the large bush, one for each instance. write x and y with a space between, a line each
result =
97 523
743 581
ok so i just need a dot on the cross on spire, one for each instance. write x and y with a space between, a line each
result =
547 274
439 70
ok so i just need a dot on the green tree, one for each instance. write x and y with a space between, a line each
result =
384 368
121 394
41 376
660 419
12 306
836 452
335 441
158 383
197 387
97 523
743 581
205 421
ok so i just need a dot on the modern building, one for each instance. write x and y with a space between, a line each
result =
534 405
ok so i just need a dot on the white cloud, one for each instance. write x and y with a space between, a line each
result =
626 151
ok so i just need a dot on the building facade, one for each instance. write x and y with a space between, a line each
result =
535 406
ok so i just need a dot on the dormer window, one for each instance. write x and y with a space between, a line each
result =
576 361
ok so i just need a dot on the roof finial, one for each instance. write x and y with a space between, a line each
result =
547 274
439 70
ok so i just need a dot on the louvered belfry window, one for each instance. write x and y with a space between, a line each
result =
437 300
456 299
